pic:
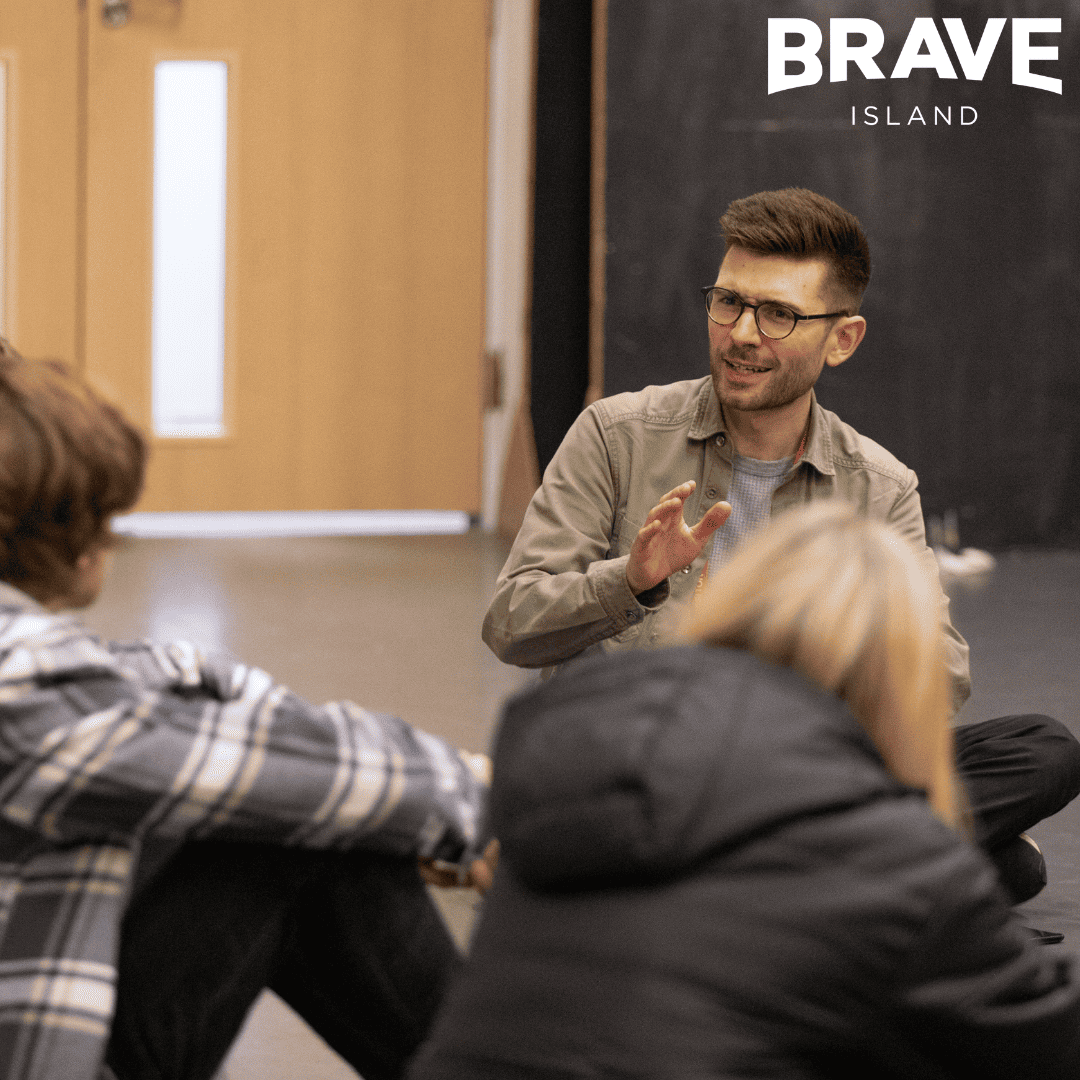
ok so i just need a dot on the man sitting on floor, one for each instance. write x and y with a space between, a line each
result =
605 553
176 830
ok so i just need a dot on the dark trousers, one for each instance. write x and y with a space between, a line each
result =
351 941
1016 770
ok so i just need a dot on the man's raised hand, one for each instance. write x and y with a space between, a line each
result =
665 543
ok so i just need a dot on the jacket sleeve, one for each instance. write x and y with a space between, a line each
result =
220 750
981 996
561 590
906 517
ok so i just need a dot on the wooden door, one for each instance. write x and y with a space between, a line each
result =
354 237
40 211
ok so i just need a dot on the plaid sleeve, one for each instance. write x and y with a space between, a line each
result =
176 665
92 755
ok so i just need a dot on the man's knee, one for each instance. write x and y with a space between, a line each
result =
1066 757
1057 752
1032 738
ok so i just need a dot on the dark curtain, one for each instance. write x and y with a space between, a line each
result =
560 278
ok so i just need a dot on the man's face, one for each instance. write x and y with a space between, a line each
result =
750 371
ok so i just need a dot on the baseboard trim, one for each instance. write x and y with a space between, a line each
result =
239 524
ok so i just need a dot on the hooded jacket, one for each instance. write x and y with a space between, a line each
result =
707 871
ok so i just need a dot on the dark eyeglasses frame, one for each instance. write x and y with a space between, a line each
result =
707 289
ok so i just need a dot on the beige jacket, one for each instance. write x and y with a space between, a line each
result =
563 589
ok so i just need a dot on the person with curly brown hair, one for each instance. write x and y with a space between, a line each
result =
178 831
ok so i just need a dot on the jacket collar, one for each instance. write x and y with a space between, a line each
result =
818 450
709 421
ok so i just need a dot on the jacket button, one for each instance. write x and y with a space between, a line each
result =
710 493
721 439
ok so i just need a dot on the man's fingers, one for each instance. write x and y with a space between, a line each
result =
665 543
648 530
719 513
664 510
673 499
682 492
714 517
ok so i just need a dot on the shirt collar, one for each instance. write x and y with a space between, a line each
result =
818 450
709 421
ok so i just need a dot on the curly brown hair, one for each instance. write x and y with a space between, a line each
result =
68 461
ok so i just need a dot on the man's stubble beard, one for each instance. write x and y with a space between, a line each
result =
783 388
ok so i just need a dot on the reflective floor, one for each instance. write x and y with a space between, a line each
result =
393 623
1023 627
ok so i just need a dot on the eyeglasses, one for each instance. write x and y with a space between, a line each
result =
773 320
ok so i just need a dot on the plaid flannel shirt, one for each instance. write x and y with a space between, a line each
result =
103 745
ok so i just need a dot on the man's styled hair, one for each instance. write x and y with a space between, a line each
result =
848 603
68 462
803 225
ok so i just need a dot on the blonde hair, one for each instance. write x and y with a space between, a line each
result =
849 604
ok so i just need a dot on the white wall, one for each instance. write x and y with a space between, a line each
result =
509 190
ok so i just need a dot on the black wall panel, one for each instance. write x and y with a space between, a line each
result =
970 371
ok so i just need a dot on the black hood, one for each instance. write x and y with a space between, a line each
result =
635 766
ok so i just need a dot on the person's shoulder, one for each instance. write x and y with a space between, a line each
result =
669 404
52 642
37 644
851 450
42 650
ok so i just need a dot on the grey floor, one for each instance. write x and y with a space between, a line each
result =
1023 627
393 623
